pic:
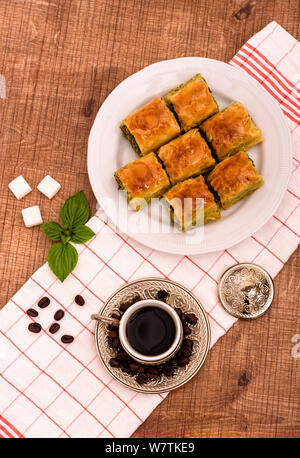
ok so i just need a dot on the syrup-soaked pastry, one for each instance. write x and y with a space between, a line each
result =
186 156
192 102
192 203
142 179
234 178
150 127
231 130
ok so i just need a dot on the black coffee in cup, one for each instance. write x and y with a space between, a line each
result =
150 331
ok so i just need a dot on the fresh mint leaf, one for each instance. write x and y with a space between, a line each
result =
52 230
75 210
81 234
62 259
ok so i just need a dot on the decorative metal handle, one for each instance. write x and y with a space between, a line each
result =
105 319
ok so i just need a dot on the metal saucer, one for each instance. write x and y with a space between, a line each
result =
179 296
246 290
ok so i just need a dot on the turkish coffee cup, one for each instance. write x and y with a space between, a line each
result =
150 331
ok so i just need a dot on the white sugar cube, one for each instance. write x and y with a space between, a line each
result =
19 187
32 216
48 186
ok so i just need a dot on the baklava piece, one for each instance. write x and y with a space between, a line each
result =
186 156
231 130
192 102
234 178
142 179
150 127
187 208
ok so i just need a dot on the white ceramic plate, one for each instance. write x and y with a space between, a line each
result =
108 150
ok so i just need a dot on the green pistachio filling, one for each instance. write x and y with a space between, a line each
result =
127 134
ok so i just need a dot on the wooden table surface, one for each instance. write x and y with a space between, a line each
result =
61 58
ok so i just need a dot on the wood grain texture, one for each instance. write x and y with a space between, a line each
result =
61 58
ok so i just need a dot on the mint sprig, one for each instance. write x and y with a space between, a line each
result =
62 256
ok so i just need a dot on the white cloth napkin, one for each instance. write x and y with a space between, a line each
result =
48 389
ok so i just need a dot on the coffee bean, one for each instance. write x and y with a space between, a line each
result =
162 295
122 356
32 312
154 376
111 327
113 334
152 372
183 361
134 367
110 341
67 339
35 327
113 362
178 311
186 351
141 369
54 328
183 318
186 330
135 299
115 342
160 368
188 343
169 370
191 318
124 306
44 302
125 367
172 362
59 315
141 379
79 300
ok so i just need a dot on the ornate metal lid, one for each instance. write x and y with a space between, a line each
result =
246 290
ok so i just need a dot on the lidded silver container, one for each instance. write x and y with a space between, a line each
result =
246 290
